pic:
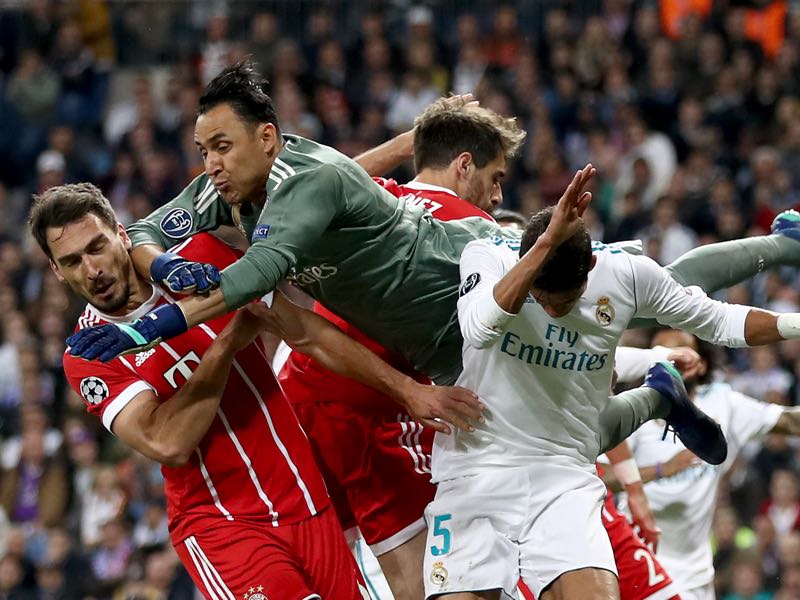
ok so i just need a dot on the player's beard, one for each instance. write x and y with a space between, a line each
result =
120 299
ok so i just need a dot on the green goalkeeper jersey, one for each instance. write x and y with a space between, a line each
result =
388 268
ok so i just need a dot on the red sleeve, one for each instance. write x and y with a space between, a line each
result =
390 185
207 248
106 388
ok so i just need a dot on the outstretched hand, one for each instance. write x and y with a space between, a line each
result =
456 405
568 213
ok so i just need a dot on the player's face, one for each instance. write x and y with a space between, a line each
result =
557 304
92 259
484 185
237 155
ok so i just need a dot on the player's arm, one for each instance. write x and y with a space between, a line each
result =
680 462
789 421
489 297
627 474
658 295
298 213
512 290
631 364
197 208
318 338
169 432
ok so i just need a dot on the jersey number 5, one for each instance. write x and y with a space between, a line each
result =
443 532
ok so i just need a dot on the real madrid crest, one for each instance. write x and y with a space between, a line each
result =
605 312
438 573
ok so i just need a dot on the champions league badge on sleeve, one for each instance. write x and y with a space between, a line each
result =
176 223
605 312
469 284
94 390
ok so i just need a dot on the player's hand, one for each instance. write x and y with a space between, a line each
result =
182 276
568 213
461 100
644 523
687 361
455 405
106 342
680 462
245 326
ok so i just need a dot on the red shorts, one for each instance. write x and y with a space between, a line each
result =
641 576
241 560
376 465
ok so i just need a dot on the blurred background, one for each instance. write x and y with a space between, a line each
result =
690 109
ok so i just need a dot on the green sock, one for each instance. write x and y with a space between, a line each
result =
626 412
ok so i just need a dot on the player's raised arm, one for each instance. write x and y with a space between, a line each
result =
318 338
732 325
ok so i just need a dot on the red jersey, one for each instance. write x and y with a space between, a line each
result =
305 380
254 463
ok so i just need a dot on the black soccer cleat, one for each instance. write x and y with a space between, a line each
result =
698 432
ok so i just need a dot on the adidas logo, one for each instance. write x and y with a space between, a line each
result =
143 356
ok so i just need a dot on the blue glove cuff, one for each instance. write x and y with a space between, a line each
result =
162 265
163 323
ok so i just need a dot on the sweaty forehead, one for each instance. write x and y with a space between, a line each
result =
218 122
74 236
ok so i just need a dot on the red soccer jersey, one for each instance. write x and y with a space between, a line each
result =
254 463
305 380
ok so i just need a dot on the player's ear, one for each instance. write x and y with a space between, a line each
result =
464 164
123 235
57 273
593 261
268 136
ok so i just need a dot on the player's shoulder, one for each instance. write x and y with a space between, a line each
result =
207 248
494 248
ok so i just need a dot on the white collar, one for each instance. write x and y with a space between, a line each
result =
418 185
145 308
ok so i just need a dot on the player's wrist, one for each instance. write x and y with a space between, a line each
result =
627 472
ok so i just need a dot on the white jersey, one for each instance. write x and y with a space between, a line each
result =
684 504
545 380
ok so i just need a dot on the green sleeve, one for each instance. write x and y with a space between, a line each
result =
296 214
197 208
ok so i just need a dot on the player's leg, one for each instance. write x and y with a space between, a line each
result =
472 525
565 551
663 395
641 576
389 497
718 266
597 584
261 563
325 557
402 567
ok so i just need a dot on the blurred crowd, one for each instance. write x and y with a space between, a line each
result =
689 109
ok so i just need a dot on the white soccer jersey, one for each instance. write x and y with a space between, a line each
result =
545 380
683 504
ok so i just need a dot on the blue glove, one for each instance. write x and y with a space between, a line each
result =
109 341
183 276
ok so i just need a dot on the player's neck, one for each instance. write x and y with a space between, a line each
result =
141 292
438 177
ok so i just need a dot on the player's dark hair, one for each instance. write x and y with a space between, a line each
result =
444 131
568 267
244 89
65 204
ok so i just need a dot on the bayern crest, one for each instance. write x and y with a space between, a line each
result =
255 594
605 312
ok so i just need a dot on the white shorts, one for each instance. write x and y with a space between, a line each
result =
537 522
705 592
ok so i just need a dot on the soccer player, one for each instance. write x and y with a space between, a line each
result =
520 496
314 215
684 505
236 463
